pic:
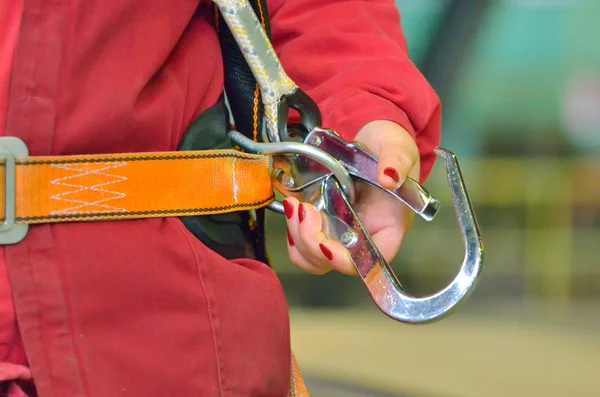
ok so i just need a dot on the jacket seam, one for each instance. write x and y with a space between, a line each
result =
208 308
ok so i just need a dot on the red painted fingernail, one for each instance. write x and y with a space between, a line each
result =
326 252
301 212
288 208
392 173
290 241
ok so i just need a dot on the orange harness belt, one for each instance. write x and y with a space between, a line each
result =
138 185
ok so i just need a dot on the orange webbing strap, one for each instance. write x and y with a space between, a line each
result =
297 387
137 185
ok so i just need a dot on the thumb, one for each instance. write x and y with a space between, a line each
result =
396 149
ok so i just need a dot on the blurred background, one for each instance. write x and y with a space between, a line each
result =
520 85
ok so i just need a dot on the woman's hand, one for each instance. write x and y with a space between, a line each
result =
384 216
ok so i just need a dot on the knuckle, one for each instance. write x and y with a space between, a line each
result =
319 270
403 156
295 256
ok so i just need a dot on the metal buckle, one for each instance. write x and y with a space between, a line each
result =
11 232
295 148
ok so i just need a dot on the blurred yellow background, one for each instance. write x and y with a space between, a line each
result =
520 86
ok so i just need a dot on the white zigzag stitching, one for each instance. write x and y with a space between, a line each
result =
97 187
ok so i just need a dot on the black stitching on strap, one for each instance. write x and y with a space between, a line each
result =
137 158
135 213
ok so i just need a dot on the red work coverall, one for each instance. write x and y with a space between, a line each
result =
142 308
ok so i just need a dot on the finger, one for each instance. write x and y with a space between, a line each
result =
314 245
305 217
397 158
385 217
290 206
338 256
395 149
301 262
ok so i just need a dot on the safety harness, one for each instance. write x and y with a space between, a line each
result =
220 183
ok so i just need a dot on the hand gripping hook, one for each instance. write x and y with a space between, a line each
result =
333 196
342 223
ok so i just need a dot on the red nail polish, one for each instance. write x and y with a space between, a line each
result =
290 241
288 208
326 252
392 173
301 212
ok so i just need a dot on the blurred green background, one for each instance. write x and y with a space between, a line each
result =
520 86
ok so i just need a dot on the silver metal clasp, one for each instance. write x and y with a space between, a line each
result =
286 157
343 224
324 179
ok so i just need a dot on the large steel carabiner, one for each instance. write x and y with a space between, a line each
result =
329 195
343 225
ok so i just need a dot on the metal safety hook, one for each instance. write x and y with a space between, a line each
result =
342 224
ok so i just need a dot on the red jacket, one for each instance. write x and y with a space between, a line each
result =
142 308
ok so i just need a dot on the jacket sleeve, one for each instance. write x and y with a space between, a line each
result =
351 57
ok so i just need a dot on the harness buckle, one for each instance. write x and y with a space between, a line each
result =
10 231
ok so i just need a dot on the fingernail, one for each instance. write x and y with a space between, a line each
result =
290 241
392 173
301 212
288 208
326 252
